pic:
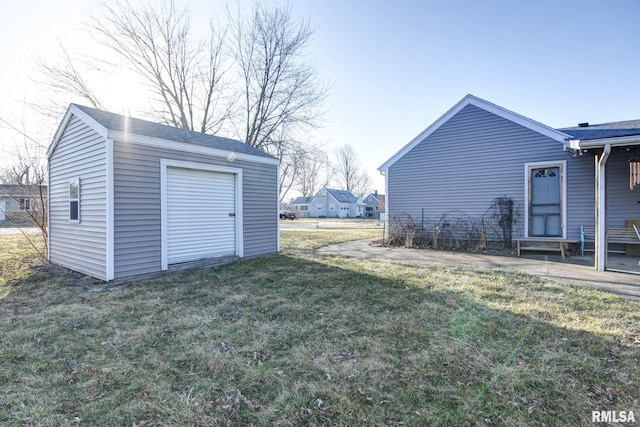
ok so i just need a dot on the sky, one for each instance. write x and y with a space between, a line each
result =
394 67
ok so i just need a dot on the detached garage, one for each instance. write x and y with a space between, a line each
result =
130 197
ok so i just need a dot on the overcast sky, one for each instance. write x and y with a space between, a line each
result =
396 66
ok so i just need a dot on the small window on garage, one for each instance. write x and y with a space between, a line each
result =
74 200
332 207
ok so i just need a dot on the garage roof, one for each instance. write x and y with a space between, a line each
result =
117 122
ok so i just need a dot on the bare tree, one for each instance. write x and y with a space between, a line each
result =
349 173
278 93
25 183
313 163
65 78
281 92
186 75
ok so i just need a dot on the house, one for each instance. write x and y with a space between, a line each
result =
16 199
301 206
374 205
478 152
330 203
130 197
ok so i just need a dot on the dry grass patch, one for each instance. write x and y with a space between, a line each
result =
295 241
297 339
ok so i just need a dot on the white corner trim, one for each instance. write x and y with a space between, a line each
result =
164 257
386 206
562 164
278 208
110 212
239 218
484 105
48 211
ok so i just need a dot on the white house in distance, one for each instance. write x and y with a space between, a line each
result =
17 199
330 203
130 197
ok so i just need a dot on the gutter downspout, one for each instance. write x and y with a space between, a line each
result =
601 211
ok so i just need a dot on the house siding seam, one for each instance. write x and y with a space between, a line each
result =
80 153
476 157
137 205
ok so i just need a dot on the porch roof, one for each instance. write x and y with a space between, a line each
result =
616 134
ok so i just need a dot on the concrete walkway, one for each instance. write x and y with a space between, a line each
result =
623 279
11 231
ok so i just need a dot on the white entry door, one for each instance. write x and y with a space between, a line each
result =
545 202
200 214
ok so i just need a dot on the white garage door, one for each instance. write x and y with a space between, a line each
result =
200 214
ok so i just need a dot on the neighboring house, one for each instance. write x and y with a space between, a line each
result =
18 198
301 206
130 197
374 205
478 151
330 203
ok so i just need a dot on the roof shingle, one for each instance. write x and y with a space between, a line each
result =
604 130
132 125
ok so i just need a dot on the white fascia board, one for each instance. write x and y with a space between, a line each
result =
623 141
191 148
74 111
482 104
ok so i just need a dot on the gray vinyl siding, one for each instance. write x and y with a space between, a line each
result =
137 203
622 202
476 157
80 153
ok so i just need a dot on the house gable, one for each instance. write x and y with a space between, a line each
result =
474 158
484 105
74 111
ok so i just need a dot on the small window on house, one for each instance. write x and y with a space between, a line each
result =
74 200
304 207
25 204
377 208
319 206
332 207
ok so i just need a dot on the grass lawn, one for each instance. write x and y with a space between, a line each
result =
299 339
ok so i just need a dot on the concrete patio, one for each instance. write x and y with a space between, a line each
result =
623 278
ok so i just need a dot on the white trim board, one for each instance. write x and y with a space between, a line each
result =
110 203
229 156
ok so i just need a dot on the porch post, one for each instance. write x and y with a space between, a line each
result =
600 256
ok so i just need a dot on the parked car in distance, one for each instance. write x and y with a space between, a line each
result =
287 215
